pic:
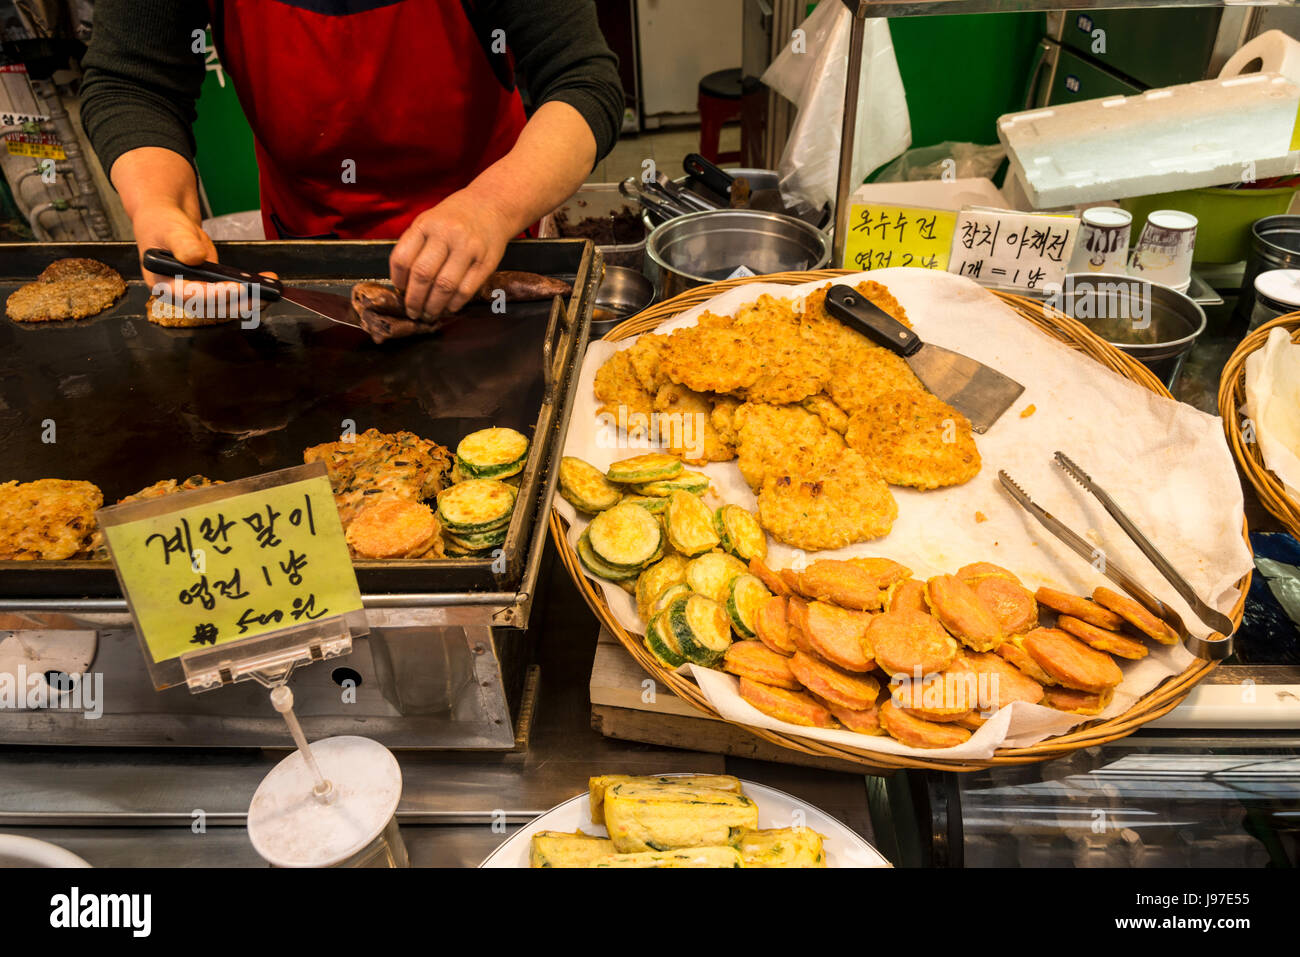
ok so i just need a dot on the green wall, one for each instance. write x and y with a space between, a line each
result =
225 149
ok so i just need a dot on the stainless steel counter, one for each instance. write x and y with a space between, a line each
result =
181 807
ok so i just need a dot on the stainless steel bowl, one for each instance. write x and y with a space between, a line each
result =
1153 323
622 294
708 246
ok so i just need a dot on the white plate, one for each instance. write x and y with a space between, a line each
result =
843 847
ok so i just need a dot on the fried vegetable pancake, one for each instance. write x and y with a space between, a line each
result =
63 299
1137 616
1110 642
158 489
644 355
917 732
710 359
723 418
963 613
47 520
690 433
796 707
821 502
909 643
618 388
753 659
77 268
1012 604
768 435
915 439
1089 611
398 465
832 416
835 685
1070 662
394 528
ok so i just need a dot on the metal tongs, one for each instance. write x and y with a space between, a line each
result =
1214 648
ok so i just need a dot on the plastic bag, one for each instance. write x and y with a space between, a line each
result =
946 160
814 80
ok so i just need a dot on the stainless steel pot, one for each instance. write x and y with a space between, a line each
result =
708 246
1153 323
623 293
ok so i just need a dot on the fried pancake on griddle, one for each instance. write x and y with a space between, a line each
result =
158 489
175 316
66 289
398 465
47 520
915 439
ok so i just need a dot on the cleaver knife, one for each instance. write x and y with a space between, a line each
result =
976 391
335 308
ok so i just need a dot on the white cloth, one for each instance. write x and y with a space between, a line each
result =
1273 406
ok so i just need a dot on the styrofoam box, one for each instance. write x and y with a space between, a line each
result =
1207 133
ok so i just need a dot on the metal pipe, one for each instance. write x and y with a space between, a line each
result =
848 130
86 193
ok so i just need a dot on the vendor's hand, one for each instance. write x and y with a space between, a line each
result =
447 254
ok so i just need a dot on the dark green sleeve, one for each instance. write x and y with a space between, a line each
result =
562 55
142 76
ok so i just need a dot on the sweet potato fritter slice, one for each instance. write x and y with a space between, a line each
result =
1089 611
848 690
47 520
1070 662
917 732
1012 604
1137 616
795 707
394 528
754 660
1111 642
963 613
915 439
909 643
1003 682
1074 701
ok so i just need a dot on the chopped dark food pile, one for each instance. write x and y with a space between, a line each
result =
383 316
618 228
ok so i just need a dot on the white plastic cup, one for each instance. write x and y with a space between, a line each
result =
1163 252
1104 233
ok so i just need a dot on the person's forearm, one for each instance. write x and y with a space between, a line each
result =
152 176
549 161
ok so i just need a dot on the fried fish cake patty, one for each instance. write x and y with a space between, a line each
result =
754 660
621 394
908 643
1077 702
833 684
393 528
768 435
1003 682
686 427
389 465
795 707
48 519
966 616
1070 662
915 439
1111 642
1137 616
822 504
917 732
1012 604
1066 604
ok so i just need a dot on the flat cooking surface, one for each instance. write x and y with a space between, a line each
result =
131 402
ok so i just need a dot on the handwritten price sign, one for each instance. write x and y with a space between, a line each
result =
231 562
1023 250
882 236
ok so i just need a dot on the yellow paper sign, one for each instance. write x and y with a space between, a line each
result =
229 562
881 236
35 147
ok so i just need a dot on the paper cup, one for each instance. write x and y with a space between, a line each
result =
1104 233
1163 252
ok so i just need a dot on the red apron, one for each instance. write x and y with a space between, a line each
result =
365 112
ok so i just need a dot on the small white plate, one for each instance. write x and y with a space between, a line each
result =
843 847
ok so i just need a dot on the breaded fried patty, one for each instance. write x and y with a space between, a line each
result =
174 316
394 528
77 268
76 294
619 389
710 359
768 436
398 465
915 439
826 502
47 520
686 426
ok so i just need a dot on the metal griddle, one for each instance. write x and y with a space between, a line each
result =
132 402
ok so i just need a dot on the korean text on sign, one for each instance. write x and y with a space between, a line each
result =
236 567
1012 249
883 236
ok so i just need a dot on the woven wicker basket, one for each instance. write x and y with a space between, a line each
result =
1155 703
1232 399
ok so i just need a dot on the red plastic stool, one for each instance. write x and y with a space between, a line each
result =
719 103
